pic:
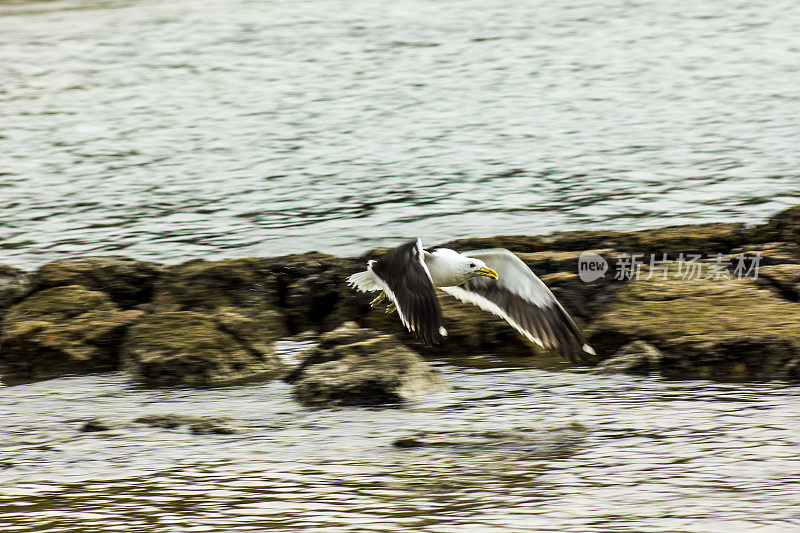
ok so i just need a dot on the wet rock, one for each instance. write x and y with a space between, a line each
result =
204 286
237 286
785 279
517 243
770 253
691 238
357 366
94 426
194 349
128 281
62 330
313 286
723 329
783 226
637 357
560 441
199 425
14 285
207 427
582 300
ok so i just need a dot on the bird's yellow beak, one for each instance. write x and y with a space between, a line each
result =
486 271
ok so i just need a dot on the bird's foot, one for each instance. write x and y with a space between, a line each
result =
378 299
391 308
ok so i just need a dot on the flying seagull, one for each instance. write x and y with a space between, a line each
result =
495 280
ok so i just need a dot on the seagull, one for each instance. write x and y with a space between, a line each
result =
495 279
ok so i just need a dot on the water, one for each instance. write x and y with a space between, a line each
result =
173 129
648 455
168 130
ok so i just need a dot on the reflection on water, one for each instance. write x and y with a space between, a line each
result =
530 450
175 129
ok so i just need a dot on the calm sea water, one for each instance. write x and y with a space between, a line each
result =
172 129
175 129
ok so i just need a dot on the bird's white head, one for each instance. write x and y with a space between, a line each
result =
478 268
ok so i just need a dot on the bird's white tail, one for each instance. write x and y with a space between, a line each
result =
363 281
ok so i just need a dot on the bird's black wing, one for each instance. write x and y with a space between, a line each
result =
408 284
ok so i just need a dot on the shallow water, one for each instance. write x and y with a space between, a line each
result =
639 454
172 129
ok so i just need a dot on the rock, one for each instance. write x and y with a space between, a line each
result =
582 300
783 226
95 425
637 357
356 366
187 348
14 285
559 441
313 286
770 253
205 286
207 427
199 425
785 279
128 281
244 287
690 238
62 330
724 329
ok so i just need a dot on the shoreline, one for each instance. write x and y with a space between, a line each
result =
99 313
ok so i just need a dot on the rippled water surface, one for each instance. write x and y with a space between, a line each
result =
176 129
582 453
170 129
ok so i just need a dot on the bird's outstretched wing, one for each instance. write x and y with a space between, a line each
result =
524 301
407 282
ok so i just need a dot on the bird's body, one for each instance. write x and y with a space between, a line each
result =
495 280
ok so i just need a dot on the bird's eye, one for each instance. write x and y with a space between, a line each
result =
472 265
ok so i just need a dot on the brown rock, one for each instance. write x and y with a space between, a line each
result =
355 366
62 330
724 329
187 348
785 279
783 226
14 285
128 281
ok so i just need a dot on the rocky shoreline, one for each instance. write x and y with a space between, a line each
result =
207 323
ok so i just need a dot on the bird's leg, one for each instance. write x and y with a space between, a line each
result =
391 308
378 299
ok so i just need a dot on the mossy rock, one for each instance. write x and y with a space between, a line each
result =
783 226
205 286
128 281
239 292
194 349
724 329
62 330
